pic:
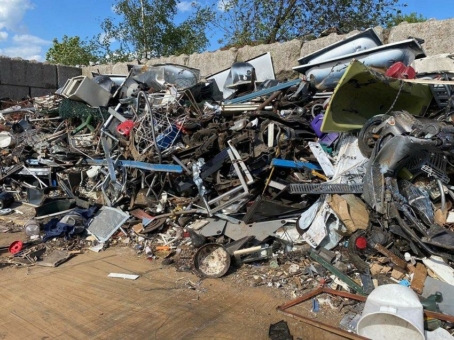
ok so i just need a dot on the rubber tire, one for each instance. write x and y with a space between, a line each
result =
364 134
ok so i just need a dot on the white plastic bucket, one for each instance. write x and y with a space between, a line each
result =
392 312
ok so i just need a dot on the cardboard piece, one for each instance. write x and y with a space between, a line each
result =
350 210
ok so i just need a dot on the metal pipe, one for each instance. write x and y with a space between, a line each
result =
147 102
269 100
313 109
442 195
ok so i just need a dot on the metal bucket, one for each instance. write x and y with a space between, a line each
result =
212 260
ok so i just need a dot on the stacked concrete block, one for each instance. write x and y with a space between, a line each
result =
22 78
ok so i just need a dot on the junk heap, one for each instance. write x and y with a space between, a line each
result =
340 179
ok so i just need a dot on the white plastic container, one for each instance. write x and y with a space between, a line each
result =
392 312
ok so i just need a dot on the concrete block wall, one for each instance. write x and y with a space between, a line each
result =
438 36
22 78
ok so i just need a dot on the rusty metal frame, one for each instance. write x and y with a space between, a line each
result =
284 309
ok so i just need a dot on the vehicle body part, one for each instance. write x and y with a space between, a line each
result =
363 93
107 222
386 162
212 260
327 74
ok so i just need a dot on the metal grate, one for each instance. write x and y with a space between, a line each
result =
310 188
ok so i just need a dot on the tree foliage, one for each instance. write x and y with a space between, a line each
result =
411 18
146 28
268 21
70 51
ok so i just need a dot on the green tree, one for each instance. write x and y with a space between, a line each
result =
268 21
411 18
70 51
146 28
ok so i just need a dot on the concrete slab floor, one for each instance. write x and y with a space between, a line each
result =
78 301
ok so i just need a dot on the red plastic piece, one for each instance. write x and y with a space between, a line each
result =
400 71
125 128
15 247
361 243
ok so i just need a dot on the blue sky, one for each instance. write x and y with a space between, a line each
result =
27 27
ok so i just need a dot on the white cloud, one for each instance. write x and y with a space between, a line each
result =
21 45
224 5
30 39
3 36
26 46
185 6
12 13
102 37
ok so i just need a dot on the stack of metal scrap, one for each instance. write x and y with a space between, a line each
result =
355 157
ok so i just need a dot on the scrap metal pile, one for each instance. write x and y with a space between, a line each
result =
350 166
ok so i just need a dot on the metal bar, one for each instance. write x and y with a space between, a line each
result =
226 204
243 166
283 163
139 165
108 160
269 100
175 158
116 115
325 326
234 190
352 284
237 169
264 92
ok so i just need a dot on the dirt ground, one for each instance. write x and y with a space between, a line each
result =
77 300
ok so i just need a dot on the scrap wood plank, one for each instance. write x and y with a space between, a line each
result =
417 284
